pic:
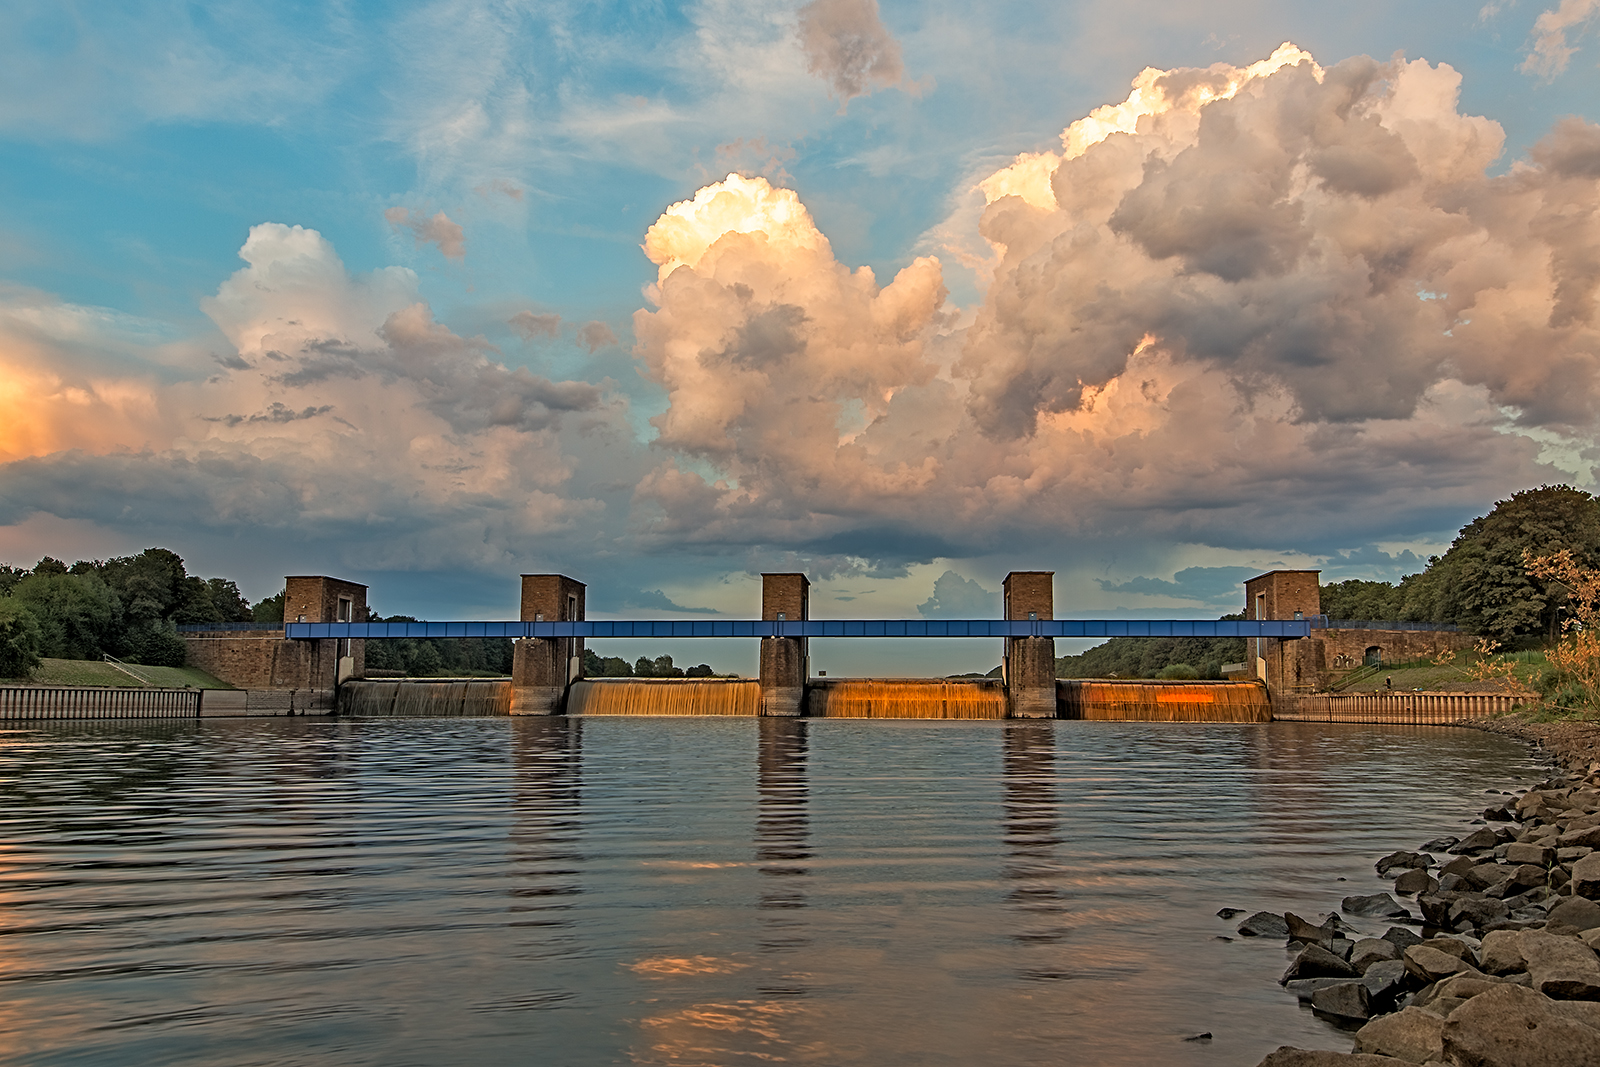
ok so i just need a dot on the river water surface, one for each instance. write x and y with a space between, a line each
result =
689 891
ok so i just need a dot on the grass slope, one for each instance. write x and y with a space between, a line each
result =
94 672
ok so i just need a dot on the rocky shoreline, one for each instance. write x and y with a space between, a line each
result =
1506 969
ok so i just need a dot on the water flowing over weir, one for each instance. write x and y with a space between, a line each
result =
664 696
905 698
425 698
1147 701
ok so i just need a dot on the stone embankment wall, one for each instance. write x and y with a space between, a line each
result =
41 703
1504 971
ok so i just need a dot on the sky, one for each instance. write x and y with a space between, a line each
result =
1155 295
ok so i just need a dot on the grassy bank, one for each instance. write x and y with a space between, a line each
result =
94 672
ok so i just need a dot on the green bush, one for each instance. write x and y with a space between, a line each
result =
156 645
1178 672
20 640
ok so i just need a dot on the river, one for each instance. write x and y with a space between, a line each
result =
689 891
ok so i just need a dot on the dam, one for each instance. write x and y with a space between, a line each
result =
314 663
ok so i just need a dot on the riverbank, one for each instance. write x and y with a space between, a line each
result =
1505 970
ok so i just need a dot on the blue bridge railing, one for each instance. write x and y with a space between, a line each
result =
809 628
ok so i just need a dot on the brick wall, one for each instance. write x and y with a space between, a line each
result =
1030 591
788 593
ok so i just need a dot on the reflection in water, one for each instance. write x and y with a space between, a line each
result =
1032 831
783 840
547 753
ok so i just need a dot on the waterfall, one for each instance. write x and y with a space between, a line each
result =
906 698
664 696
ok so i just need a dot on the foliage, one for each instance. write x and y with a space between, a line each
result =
1147 657
156 644
597 666
78 614
269 609
1178 672
660 667
20 639
1357 599
423 657
1482 583
1576 656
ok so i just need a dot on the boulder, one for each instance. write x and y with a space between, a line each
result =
1459 865
1288 1056
1314 961
1264 924
1402 861
1510 1026
1302 930
1485 875
1563 968
1370 950
1306 988
1574 915
1439 844
1409 1034
1454 946
1572 855
1374 906
1345 1001
1430 965
1435 907
1386 980
1586 876
1539 855
1528 876
1401 938
1588 836
1415 881
1502 953
1477 841
1479 911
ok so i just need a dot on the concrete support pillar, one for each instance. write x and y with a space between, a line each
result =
542 668
784 660
1030 663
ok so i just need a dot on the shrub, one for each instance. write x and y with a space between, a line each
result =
1178 672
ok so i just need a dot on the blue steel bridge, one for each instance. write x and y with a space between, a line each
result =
797 628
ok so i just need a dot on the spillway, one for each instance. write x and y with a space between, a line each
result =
1154 701
906 698
664 696
425 697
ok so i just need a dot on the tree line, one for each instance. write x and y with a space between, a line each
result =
1481 584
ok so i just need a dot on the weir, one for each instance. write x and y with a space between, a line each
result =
1292 649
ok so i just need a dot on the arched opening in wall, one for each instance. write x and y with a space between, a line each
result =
1373 657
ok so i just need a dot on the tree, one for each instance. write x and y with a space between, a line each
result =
1577 654
1147 657
1482 582
78 615
20 639
269 610
1357 599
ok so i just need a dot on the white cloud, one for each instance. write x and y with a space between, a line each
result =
436 230
847 45
1548 51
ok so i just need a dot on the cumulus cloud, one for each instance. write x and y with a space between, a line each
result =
438 230
955 597
847 45
350 413
1224 308
1548 51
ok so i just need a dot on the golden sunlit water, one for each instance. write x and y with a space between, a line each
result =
689 891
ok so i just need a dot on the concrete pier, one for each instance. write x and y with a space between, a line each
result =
542 668
784 660
1030 662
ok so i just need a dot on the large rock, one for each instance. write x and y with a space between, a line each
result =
1501 952
1345 1001
1430 965
1586 876
1315 961
1401 938
1454 946
1587 835
1288 1056
1264 924
1510 1026
1477 841
1302 930
1435 907
1538 855
1574 915
1409 1034
1485 875
1374 906
1479 911
1526 876
1415 881
1403 860
1459 865
1561 967
1370 950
